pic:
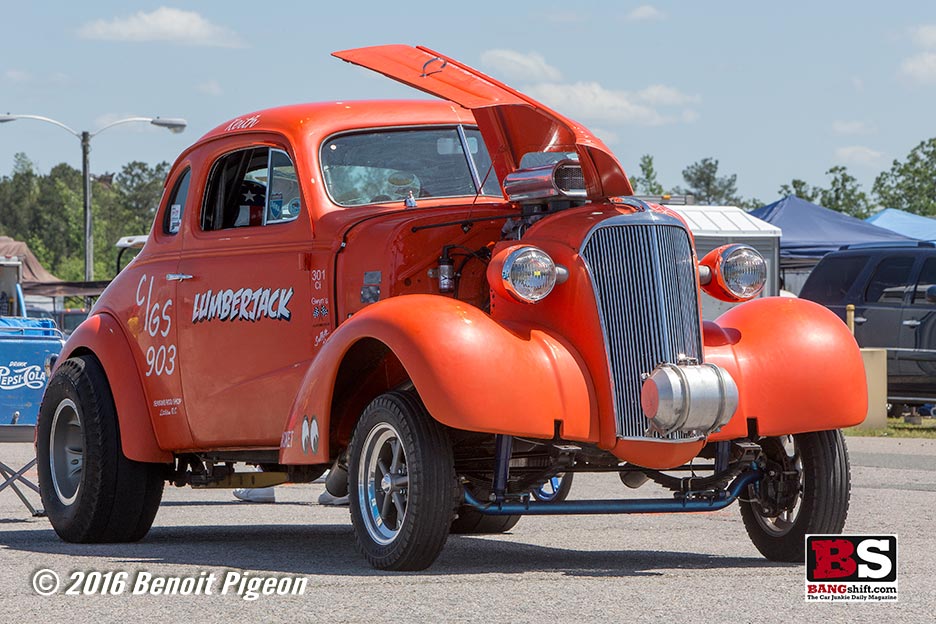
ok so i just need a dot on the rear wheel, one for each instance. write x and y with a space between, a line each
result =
556 489
91 492
401 483
806 490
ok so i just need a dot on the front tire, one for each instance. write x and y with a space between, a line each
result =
401 483
91 492
806 490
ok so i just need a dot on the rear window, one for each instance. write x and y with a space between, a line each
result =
831 280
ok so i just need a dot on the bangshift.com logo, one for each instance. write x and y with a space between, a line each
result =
851 568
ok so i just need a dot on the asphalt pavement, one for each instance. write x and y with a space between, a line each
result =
698 567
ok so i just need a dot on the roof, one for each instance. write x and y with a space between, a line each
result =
811 231
328 117
905 223
33 271
724 220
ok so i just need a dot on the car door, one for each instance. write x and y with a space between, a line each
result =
245 331
879 314
150 314
918 338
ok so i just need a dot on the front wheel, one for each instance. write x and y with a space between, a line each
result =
91 492
401 483
805 490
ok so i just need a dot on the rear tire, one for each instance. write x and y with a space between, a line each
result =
780 514
473 522
90 490
401 483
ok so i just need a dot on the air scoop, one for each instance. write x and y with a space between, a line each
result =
697 398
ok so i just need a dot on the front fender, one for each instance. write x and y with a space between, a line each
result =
101 335
471 372
797 367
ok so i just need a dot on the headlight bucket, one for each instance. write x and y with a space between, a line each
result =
525 273
738 272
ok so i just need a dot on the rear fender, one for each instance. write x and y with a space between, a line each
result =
100 335
471 373
797 368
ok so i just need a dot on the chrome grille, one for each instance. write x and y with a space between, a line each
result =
643 275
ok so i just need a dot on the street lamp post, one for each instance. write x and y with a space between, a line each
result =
173 125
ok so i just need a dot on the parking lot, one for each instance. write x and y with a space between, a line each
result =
693 567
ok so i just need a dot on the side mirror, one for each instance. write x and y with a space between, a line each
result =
931 294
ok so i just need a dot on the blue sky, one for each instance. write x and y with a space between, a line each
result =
772 91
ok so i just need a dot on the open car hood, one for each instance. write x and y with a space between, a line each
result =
511 123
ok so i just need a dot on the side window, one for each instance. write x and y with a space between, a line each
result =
832 279
249 188
927 279
172 219
890 281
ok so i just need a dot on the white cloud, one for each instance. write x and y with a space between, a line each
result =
924 36
857 84
17 75
210 87
517 65
607 136
661 95
920 68
591 101
645 13
163 24
851 127
859 155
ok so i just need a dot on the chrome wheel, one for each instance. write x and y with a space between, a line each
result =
383 483
66 455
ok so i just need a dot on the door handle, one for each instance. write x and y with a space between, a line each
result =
912 323
178 277
860 319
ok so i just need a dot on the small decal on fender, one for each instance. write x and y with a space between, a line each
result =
310 435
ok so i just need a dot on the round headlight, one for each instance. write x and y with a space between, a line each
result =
529 274
743 271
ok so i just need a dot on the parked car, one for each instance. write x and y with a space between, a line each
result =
381 288
893 289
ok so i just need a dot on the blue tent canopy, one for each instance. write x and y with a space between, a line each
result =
905 223
811 231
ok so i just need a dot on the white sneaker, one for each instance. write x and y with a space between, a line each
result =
327 499
256 495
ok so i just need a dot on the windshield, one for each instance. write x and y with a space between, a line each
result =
390 165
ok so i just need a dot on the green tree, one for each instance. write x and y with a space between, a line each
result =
910 185
844 194
707 186
124 204
646 183
801 189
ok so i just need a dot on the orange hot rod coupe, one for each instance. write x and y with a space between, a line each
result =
448 303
